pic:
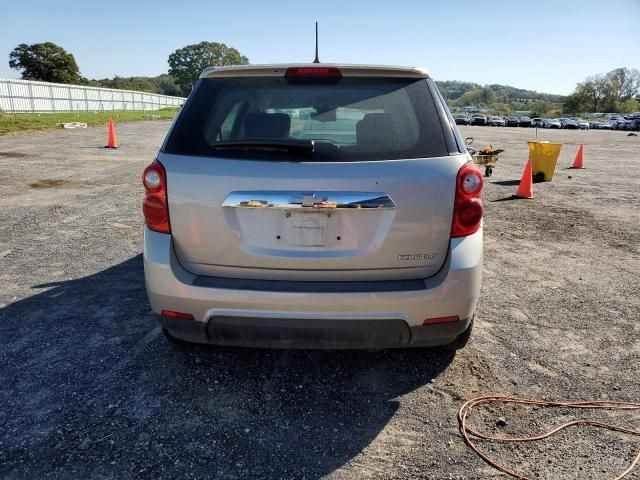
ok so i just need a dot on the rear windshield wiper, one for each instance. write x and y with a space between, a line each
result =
266 145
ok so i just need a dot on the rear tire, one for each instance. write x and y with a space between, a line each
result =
174 340
461 341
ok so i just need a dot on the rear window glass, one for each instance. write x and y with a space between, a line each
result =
354 119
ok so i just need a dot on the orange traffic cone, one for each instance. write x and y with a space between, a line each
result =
579 161
111 136
525 189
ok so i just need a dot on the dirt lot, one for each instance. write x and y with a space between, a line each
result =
90 387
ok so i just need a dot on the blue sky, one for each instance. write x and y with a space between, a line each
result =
541 45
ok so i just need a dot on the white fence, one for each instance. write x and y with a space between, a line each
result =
28 96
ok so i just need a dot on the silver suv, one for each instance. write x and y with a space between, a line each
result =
314 206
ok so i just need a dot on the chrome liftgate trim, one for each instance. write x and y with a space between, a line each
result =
289 200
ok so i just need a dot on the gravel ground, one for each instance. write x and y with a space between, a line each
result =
91 389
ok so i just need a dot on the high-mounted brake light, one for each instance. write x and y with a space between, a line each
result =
155 206
468 210
312 72
324 75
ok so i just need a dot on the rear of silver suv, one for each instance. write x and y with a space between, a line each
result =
314 206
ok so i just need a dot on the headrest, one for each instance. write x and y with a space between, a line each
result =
267 125
376 131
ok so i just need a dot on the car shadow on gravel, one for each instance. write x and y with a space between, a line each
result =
507 183
507 199
90 388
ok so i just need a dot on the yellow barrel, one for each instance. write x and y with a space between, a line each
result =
544 156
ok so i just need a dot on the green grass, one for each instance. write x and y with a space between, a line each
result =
28 122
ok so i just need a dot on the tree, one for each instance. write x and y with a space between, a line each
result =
589 95
45 61
167 85
573 104
623 83
453 89
595 90
629 105
611 92
140 84
487 96
540 108
186 64
163 84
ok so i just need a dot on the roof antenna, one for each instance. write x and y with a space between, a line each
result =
316 60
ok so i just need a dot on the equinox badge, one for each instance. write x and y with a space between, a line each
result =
417 256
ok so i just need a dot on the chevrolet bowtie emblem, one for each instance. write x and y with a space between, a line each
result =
309 199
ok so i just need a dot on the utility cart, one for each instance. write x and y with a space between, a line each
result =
487 157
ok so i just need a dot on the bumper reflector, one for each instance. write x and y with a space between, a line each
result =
171 313
436 321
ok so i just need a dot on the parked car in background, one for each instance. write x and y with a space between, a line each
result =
634 125
461 119
620 124
496 122
583 125
478 119
595 125
537 122
512 121
605 126
551 123
563 120
570 124
268 231
525 122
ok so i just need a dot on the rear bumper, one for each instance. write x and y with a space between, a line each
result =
330 318
312 333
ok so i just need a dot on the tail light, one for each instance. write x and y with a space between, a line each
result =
440 320
468 211
155 207
183 316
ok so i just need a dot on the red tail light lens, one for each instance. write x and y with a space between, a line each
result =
155 207
171 313
440 320
468 210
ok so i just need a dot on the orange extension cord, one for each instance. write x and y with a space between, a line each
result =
467 431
